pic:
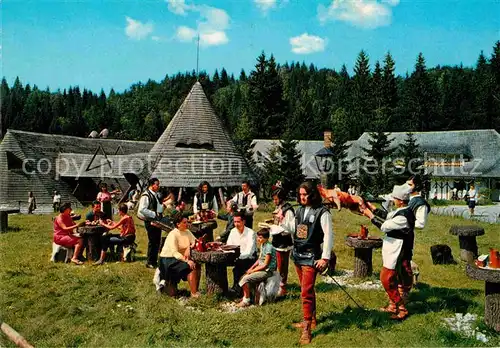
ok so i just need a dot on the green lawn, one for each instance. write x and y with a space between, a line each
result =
116 304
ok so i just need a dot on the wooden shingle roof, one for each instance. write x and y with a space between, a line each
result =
195 146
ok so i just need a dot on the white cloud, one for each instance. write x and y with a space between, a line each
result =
305 44
137 30
214 38
368 14
178 7
212 25
266 5
155 38
185 34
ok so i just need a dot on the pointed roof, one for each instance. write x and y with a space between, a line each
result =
195 146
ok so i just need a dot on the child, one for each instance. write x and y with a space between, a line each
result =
127 233
232 208
262 269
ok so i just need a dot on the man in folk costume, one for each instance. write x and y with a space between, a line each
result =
247 201
397 250
312 245
205 199
282 229
150 209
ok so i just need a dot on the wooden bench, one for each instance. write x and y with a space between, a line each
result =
4 218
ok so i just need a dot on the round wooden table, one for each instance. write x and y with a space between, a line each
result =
363 254
216 263
491 277
467 238
92 240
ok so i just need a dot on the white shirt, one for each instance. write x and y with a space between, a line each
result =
246 240
326 225
57 199
251 203
472 195
420 215
143 210
391 247
215 206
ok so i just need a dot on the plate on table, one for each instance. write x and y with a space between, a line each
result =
196 222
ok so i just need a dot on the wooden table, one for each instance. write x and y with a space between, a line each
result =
467 238
92 240
491 278
208 227
216 263
363 254
4 218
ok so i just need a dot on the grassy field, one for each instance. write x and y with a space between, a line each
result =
116 304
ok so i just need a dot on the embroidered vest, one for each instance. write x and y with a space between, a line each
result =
311 238
281 241
407 233
209 199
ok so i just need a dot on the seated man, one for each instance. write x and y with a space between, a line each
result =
96 213
232 208
126 236
262 269
245 238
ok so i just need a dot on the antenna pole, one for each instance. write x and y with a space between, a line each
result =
198 58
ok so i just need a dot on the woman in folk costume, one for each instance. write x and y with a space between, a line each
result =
397 250
312 246
282 229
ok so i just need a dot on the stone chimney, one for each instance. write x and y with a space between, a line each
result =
327 138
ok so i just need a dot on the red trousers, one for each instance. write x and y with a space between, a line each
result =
391 279
282 260
307 278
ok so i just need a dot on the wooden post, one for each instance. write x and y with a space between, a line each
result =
4 221
14 336
492 305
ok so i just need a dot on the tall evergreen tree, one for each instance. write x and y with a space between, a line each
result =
291 168
362 96
412 158
376 172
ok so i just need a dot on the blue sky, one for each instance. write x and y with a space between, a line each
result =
114 43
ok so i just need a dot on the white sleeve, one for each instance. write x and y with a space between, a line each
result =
254 202
195 205
143 208
288 224
215 206
421 217
235 199
326 224
396 223
231 240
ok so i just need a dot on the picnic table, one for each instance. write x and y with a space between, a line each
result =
4 218
363 248
467 238
491 278
91 235
216 263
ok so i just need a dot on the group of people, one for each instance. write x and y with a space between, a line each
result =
305 234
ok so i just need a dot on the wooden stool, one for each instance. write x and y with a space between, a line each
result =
467 238
61 254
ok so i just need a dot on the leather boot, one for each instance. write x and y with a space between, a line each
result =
404 294
305 337
313 322
301 324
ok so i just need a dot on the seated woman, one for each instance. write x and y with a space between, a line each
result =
175 259
63 228
126 236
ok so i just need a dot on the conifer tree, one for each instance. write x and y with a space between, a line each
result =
291 168
376 172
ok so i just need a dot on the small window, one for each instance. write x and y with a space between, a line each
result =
13 162
194 144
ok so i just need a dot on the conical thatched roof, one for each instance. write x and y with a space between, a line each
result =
195 147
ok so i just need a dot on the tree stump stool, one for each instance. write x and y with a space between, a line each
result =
216 263
198 229
92 240
4 218
363 254
491 277
467 239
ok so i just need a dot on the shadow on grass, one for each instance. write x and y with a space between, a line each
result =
435 299
12 229
364 319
